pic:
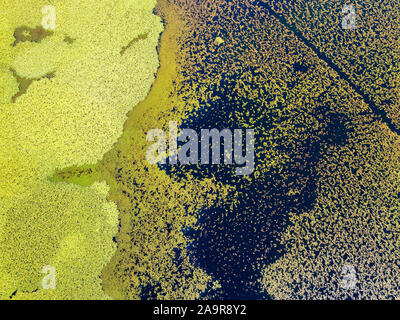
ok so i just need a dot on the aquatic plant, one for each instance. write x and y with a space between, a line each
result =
64 98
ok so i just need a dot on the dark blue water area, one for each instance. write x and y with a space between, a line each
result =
240 235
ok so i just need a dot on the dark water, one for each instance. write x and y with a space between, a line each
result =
233 244
241 236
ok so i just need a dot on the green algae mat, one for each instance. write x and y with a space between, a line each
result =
199 149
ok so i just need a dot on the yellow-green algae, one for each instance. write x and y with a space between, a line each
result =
369 55
301 95
152 259
70 119
353 220
353 173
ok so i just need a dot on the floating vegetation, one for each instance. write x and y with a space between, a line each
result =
65 98
317 219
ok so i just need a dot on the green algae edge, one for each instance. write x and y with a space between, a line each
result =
153 112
